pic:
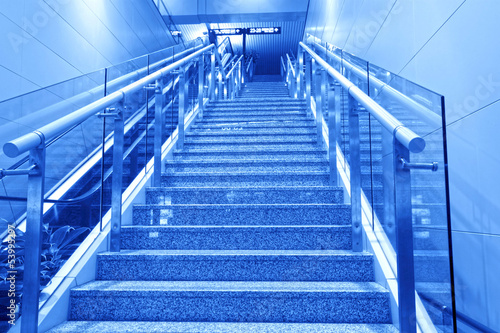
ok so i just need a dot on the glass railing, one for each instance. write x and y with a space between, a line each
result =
78 161
404 186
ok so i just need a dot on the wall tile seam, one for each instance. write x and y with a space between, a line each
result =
43 44
126 22
110 31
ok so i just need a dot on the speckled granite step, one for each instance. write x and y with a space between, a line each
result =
243 131
258 237
201 327
251 111
227 165
246 178
245 195
253 140
291 153
238 301
257 125
244 119
235 265
241 214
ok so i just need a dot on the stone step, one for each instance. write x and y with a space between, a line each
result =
247 165
275 164
237 301
225 119
243 179
242 214
235 265
246 132
255 100
256 125
193 327
256 104
252 140
250 109
245 195
252 146
257 237
260 153
283 112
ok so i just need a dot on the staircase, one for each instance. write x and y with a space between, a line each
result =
245 235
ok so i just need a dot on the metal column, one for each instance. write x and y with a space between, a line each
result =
334 91
355 174
201 85
117 179
182 108
300 73
213 79
308 83
318 77
159 128
33 245
404 241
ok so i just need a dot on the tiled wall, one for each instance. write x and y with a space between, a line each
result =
47 41
451 47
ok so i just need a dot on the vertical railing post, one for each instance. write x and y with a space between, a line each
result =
182 107
333 128
117 179
221 86
308 83
404 241
319 104
33 245
229 86
240 76
201 85
213 79
355 174
300 73
388 184
281 69
159 128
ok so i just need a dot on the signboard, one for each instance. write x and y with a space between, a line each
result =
264 31
226 32
246 31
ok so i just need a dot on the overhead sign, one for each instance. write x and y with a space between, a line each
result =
264 31
246 31
225 32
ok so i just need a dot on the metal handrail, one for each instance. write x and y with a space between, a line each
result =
249 63
404 135
32 140
283 64
234 66
34 118
289 62
425 114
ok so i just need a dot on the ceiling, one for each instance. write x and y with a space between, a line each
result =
194 17
235 11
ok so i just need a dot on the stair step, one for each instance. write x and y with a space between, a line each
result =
260 125
256 237
244 195
242 214
257 153
235 265
237 301
252 140
247 165
244 132
240 179
190 327
243 119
